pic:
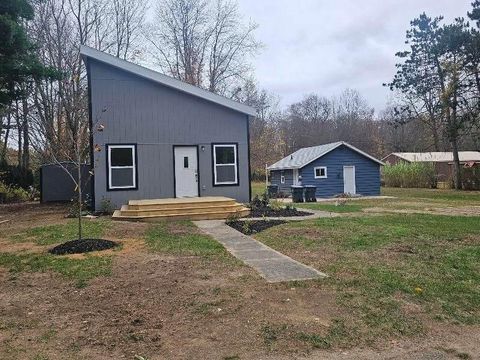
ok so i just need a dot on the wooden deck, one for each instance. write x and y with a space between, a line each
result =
199 208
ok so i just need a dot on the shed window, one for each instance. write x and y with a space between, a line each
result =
282 178
320 172
225 164
122 169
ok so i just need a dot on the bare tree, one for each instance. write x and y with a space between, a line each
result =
180 37
204 43
232 44
128 18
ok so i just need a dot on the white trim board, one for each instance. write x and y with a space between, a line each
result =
133 167
315 172
234 164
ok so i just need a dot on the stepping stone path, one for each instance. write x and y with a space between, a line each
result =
269 263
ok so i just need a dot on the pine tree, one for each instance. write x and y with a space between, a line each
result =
18 62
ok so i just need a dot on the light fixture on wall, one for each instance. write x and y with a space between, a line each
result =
202 147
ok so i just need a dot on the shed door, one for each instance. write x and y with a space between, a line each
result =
295 177
186 171
349 180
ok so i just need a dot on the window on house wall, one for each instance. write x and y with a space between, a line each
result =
282 178
320 172
122 167
225 164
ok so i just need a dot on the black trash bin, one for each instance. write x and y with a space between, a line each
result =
297 193
272 191
310 193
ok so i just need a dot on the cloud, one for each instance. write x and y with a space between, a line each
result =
325 46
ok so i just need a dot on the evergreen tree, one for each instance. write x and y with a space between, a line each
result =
18 61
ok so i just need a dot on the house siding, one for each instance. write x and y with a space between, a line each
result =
56 185
275 179
134 110
393 160
367 173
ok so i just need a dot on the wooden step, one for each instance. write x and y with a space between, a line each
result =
179 203
126 210
201 208
204 215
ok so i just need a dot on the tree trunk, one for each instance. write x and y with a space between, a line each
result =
79 182
7 134
457 171
26 141
19 138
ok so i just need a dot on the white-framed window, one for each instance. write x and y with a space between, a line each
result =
122 167
320 172
225 164
282 178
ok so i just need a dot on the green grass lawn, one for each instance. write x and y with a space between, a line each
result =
181 238
58 233
258 188
434 194
80 270
390 271
346 208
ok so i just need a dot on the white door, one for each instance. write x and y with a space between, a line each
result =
295 177
349 180
186 171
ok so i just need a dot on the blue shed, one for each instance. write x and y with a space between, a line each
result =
336 168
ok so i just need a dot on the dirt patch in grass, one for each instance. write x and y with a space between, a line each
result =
332 207
160 306
249 227
26 215
177 297
453 211
82 246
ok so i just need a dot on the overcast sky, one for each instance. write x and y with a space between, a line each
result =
325 46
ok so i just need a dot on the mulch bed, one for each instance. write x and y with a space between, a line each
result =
249 227
260 212
82 246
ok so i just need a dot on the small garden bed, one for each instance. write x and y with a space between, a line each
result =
249 227
82 246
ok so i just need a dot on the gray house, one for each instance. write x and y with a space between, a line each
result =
155 137
334 169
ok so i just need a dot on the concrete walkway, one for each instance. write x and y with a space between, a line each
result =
353 198
315 214
270 264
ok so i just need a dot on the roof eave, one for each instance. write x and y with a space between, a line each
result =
283 167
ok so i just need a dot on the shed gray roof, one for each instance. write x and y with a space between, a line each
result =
305 156
88 52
